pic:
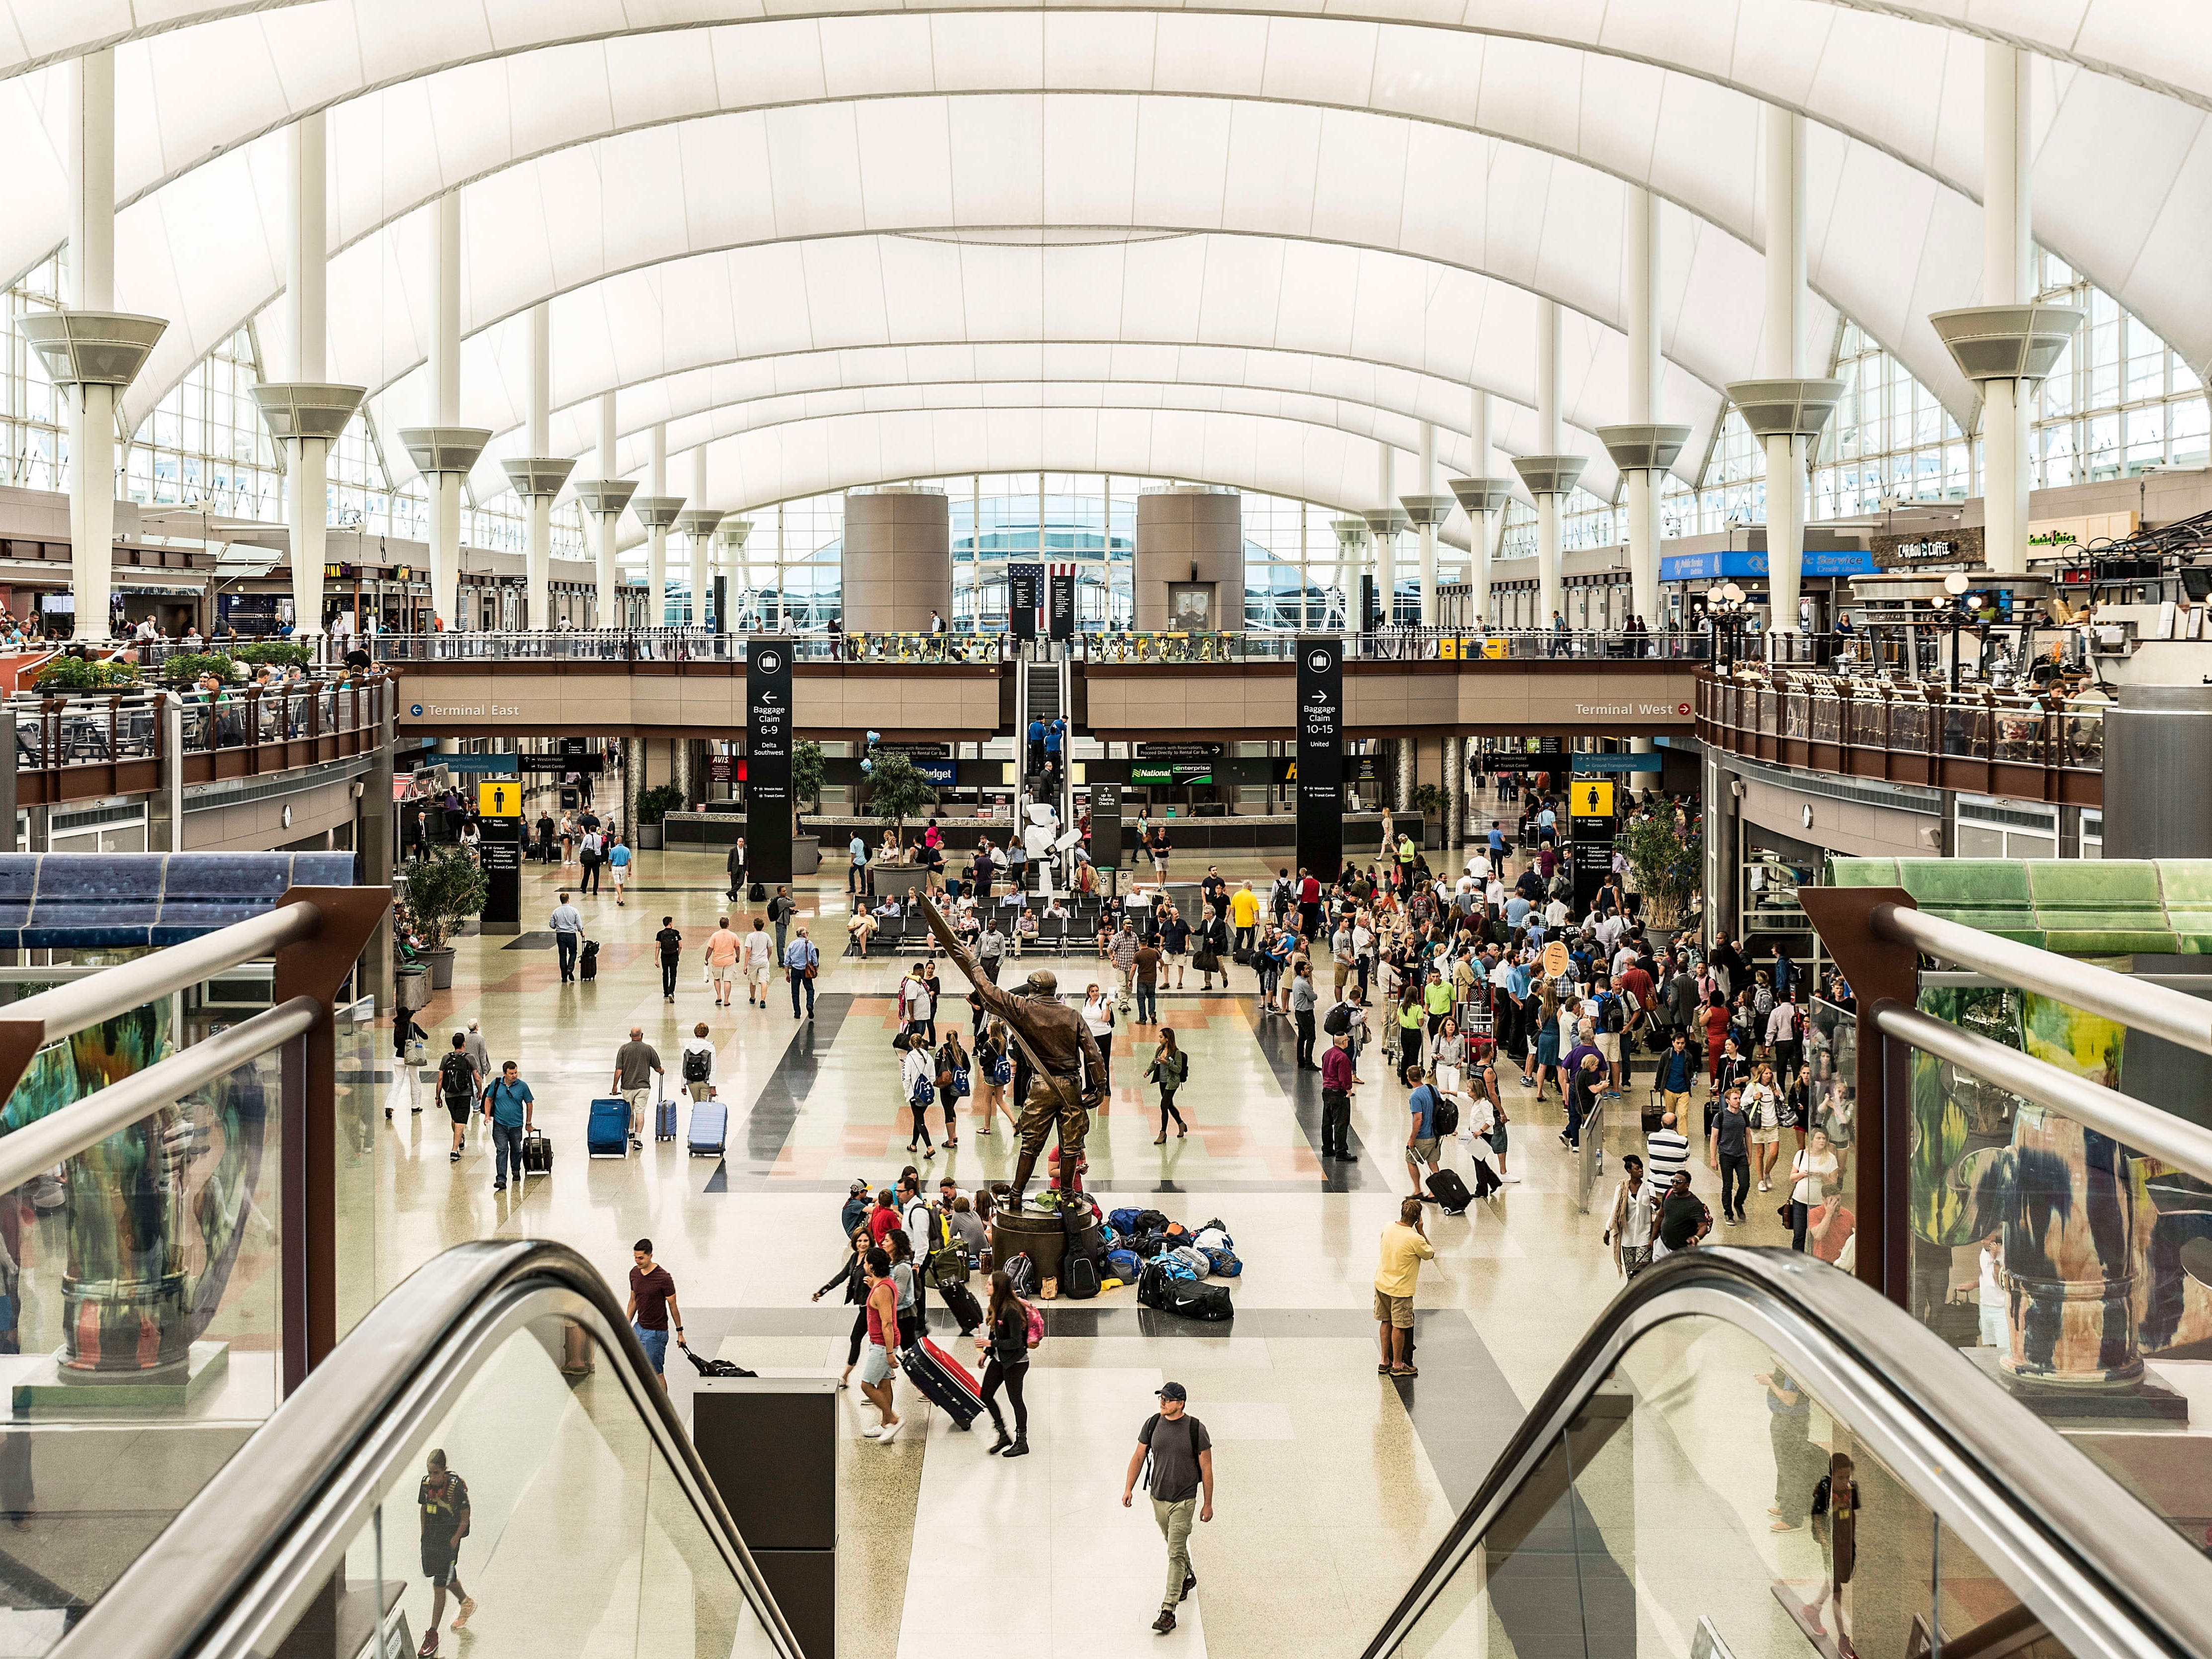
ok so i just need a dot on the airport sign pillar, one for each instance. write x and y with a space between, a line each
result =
768 758
1589 846
499 808
1320 756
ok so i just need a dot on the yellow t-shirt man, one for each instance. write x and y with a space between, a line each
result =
1403 1251
1244 908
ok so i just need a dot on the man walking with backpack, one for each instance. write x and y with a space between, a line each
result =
460 1083
507 1107
778 916
1181 1453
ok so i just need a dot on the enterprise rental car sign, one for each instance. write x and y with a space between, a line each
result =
1320 757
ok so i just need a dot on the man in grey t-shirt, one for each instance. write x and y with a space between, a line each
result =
636 1064
1181 1454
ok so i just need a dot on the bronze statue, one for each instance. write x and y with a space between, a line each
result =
1067 1075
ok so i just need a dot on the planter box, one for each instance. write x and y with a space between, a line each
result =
442 969
805 855
648 838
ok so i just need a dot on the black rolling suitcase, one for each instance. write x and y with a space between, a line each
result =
943 1382
960 1301
1449 1191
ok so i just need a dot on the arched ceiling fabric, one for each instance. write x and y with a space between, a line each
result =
701 405
1295 299
970 168
1902 98
819 455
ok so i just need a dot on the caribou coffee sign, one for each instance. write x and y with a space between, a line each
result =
1962 546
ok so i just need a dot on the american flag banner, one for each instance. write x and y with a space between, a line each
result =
1024 597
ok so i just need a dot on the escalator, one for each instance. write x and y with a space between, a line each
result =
593 1527
1658 1497
1630 1514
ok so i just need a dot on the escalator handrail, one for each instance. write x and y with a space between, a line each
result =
203 1564
2093 1530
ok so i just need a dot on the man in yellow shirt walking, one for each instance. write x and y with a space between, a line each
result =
1245 915
1405 1247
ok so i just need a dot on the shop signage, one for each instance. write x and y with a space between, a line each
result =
918 751
1179 751
1188 772
1320 756
721 769
768 755
941 772
1962 546
1616 763
1752 561
2080 531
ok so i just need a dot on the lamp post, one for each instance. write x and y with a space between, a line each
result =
1727 608
1954 587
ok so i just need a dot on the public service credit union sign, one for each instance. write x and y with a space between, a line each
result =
768 758
1320 757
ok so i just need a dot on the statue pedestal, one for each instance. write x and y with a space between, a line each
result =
46 1387
2145 1399
1038 1232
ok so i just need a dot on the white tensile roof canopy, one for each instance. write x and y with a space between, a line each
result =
1245 246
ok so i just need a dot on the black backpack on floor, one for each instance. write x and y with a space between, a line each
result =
1080 1278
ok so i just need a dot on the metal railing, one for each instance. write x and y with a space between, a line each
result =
76 745
2022 743
1165 647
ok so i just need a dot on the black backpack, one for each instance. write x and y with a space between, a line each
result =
456 1076
1080 1278
697 1062
1443 1117
1337 1020
1022 1273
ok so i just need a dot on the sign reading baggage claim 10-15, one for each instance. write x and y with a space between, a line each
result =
1320 757
768 759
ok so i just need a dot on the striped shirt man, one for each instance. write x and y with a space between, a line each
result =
1665 1152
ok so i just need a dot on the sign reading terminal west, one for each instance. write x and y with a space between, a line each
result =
768 758
1320 757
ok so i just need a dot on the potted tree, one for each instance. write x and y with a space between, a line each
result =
1429 802
653 805
444 892
1666 868
896 792
806 793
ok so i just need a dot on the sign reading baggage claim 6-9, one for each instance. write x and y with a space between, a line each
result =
768 758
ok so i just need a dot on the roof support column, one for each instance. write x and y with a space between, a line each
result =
732 537
90 352
1552 475
1484 497
306 415
1643 449
538 477
698 522
1786 410
2009 343
603 498
656 510
1386 520
1427 510
444 452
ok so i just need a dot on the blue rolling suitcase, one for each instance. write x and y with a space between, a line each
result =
664 1118
710 1129
607 1135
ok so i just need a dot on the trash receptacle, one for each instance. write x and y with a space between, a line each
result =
411 988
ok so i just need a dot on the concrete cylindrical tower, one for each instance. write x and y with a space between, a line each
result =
2158 768
896 565
1190 538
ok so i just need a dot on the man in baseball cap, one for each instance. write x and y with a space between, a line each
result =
1181 1462
856 1205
